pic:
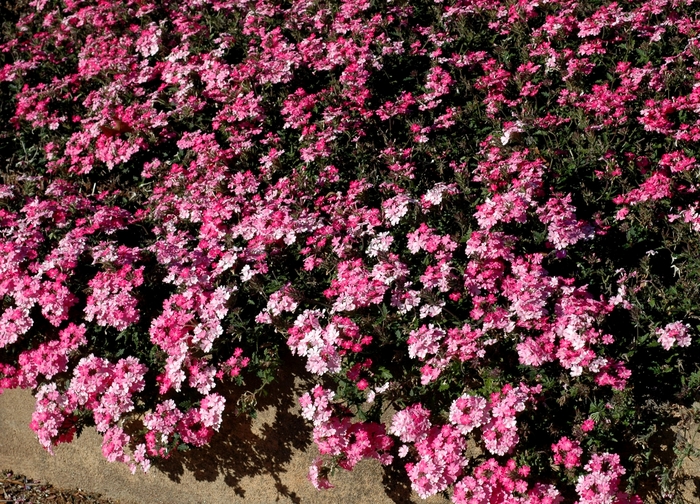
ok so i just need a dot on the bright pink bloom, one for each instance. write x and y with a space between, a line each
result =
588 425
567 452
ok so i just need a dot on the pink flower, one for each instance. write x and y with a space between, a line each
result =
588 425
149 40
161 425
193 429
395 209
500 435
469 412
201 376
614 374
354 288
233 365
563 229
140 457
441 461
424 340
567 452
675 332
52 419
601 484
111 302
318 475
281 301
113 444
411 424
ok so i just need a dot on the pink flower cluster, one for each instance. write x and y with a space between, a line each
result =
98 386
49 358
601 484
324 347
441 449
195 426
675 333
190 322
441 460
495 417
563 229
567 452
355 287
338 437
280 302
111 302
492 482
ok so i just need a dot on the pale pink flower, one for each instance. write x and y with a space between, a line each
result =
411 424
469 412
424 340
318 475
674 333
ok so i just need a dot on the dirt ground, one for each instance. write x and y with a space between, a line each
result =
689 473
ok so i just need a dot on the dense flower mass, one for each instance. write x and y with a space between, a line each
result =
475 219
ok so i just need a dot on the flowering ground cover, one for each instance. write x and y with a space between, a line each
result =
481 216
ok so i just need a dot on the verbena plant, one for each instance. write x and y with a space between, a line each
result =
480 216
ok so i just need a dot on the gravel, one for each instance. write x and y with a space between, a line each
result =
15 489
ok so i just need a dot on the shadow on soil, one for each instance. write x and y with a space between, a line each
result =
246 447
